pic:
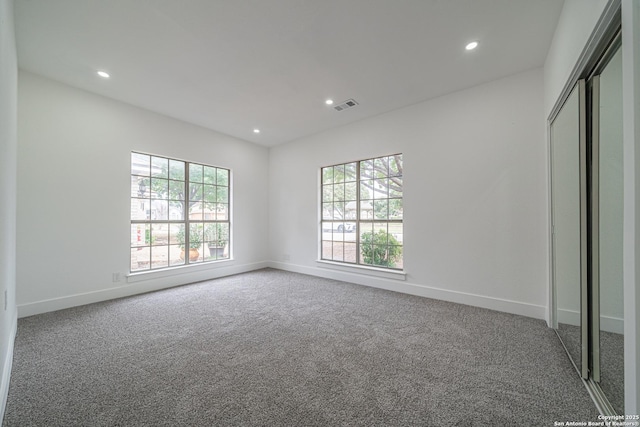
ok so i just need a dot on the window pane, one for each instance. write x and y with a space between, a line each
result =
176 170
366 188
327 211
395 232
159 167
140 235
381 187
366 229
350 191
195 172
338 192
381 209
366 209
140 164
176 190
366 169
195 192
176 234
159 234
338 173
176 211
139 186
327 193
327 175
338 251
140 259
395 165
338 210
350 172
395 209
381 166
159 256
209 175
139 209
222 211
196 211
327 250
222 195
159 210
160 188
209 193
395 187
350 210
350 252
176 255
223 177
195 235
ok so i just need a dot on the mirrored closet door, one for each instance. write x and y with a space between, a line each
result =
607 205
586 234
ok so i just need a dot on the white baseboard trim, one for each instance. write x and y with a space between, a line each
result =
607 323
134 288
498 304
568 317
612 324
6 369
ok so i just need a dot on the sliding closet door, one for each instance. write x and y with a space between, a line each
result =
607 205
568 193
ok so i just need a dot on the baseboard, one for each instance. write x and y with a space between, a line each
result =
140 286
568 317
6 369
498 304
612 324
607 323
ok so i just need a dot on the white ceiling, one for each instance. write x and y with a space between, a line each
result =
236 65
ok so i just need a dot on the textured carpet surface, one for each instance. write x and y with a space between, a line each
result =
611 361
272 348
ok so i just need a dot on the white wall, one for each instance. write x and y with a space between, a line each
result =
475 194
73 194
8 148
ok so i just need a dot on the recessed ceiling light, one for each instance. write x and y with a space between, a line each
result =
103 74
256 131
471 46
329 101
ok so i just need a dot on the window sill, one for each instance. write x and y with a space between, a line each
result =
174 271
364 270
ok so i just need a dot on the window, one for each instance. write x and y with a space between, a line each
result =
179 212
362 212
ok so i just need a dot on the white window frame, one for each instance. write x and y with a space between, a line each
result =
212 227
356 220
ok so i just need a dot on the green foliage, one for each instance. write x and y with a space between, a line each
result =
167 182
148 239
217 234
381 248
194 238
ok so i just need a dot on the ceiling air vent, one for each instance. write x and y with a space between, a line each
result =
346 104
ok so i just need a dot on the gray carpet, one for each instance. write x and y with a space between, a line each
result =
272 348
611 361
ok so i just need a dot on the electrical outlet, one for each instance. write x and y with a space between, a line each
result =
115 277
286 257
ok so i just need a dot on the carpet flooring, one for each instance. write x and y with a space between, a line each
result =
611 361
274 348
